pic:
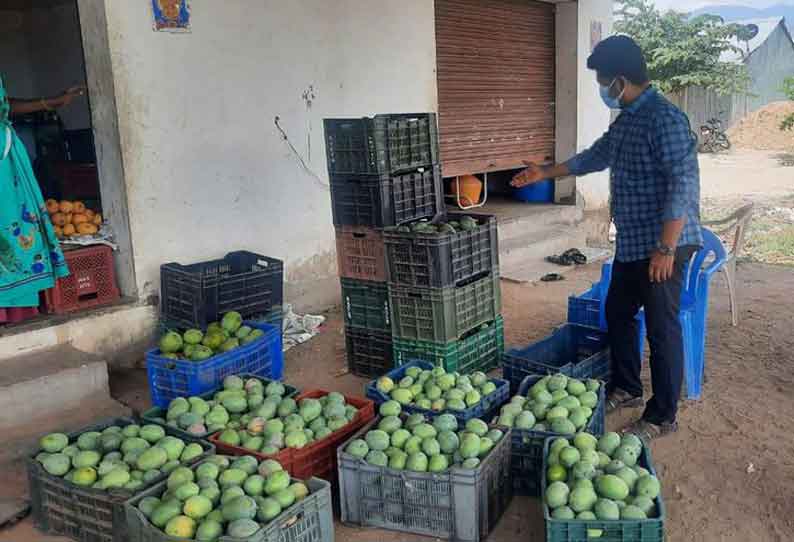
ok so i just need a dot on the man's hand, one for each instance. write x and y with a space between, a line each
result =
661 267
531 175
69 95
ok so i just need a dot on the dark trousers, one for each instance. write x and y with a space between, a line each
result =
630 289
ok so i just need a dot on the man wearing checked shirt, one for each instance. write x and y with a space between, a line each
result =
655 195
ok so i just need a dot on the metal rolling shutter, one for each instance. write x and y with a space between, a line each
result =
496 83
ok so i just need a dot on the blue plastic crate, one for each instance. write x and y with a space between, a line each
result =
486 409
585 309
170 378
526 453
573 350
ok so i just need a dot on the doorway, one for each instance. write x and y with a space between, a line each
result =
47 46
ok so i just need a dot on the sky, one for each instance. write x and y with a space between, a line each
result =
688 5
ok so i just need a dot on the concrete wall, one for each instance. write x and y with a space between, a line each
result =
207 170
768 66
593 118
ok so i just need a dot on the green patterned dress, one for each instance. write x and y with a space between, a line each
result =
30 255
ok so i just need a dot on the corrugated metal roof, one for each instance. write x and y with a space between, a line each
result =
765 29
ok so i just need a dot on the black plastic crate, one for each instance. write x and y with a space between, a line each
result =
442 259
381 200
195 295
85 514
573 350
384 144
365 304
526 451
369 353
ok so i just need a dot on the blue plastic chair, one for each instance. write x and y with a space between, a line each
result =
694 307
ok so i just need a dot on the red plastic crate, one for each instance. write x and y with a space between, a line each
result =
360 253
317 459
91 281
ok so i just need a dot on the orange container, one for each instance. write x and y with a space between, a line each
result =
470 189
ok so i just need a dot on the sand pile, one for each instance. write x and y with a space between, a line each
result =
760 130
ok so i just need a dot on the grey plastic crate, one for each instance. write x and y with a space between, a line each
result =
310 520
85 514
458 504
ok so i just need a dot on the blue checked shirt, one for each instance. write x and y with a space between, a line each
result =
654 175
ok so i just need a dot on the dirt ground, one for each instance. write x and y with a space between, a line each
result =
726 474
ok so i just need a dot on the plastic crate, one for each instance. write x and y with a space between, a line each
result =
573 350
486 409
480 350
379 201
444 314
274 317
585 309
384 144
458 504
91 282
526 453
308 520
83 513
195 295
319 458
154 414
641 530
369 353
445 259
360 253
170 378
365 304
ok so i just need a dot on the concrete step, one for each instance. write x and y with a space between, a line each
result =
538 219
522 258
536 244
47 382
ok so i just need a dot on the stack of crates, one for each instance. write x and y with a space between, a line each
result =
444 293
383 172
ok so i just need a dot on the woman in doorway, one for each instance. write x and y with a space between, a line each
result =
30 255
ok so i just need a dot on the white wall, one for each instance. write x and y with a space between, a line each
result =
206 169
594 116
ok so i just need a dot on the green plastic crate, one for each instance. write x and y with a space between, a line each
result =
365 304
623 530
480 351
442 315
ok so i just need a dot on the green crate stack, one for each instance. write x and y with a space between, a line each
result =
383 171
458 326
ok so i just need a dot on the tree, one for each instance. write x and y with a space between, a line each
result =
788 90
682 51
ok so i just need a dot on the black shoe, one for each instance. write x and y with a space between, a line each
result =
619 399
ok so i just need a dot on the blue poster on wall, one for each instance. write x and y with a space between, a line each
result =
171 15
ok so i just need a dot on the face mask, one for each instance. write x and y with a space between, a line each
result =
609 101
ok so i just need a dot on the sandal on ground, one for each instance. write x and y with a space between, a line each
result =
648 431
622 399
552 277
